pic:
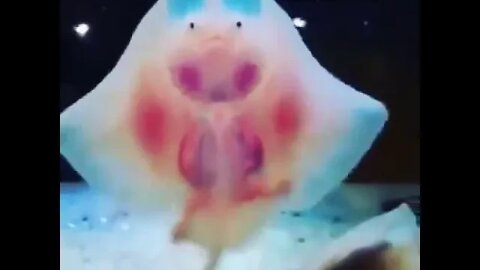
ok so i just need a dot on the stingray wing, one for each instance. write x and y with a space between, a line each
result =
388 241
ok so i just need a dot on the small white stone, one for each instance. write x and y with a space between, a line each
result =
81 29
299 22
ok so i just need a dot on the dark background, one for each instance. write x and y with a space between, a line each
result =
372 45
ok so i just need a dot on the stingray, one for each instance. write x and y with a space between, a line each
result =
389 241
218 108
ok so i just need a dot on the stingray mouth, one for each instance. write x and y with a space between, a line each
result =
217 74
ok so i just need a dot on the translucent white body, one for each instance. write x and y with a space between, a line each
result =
345 122
339 124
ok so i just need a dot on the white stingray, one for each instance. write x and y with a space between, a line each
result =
340 123
345 121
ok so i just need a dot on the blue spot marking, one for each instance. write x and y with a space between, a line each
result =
247 7
181 8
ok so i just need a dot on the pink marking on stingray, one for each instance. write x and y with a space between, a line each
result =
196 158
150 124
245 77
189 78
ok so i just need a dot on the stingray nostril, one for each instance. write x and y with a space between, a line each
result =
189 78
246 76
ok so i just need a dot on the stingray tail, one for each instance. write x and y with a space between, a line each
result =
214 254
214 257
